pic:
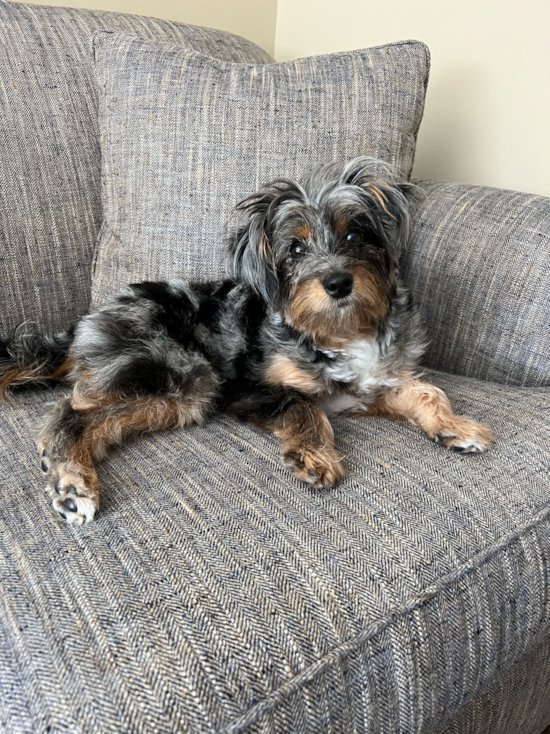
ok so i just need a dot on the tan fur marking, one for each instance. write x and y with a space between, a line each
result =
341 225
83 402
282 371
80 472
308 445
428 407
314 312
63 370
13 375
266 253
87 397
17 374
106 426
380 198
370 293
310 311
303 232
138 415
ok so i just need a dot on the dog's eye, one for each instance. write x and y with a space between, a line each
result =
367 237
298 250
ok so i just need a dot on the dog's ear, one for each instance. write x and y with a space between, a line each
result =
385 194
252 247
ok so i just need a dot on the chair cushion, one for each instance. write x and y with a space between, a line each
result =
214 592
185 137
50 196
517 701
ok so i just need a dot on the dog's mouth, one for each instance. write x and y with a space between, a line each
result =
344 302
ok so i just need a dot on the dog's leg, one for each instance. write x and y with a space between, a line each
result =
428 407
66 459
308 444
79 430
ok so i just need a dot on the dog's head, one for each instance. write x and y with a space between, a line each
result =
324 253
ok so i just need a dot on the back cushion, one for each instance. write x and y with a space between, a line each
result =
50 208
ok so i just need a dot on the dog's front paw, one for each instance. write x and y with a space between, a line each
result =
316 468
464 436
72 496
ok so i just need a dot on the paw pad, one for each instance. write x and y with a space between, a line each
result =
70 505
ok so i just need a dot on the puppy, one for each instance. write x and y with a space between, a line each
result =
316 321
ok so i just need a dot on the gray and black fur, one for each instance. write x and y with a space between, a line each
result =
316 320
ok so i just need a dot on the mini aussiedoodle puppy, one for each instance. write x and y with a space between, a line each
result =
316 321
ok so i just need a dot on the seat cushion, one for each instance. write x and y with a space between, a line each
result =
216 593
516 703
50 195
185 137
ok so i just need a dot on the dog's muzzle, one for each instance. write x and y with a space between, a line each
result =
339 285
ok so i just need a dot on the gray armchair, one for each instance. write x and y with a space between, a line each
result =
216 594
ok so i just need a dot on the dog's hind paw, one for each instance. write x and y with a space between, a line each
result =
74 508
72 496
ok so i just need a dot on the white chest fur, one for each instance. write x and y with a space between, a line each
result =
362 369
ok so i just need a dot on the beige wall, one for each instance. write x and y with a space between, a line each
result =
253 19
487 117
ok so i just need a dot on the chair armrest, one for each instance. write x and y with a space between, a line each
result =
478 265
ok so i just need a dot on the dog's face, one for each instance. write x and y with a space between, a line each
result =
324 253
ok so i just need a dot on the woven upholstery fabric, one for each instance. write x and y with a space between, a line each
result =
478 262
50 208
184 138
517 703
215 593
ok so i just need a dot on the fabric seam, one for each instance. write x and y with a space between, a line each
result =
131 38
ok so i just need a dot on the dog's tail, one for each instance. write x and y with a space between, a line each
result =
33 357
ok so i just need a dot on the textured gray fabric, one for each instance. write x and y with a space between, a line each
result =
518 703
50 165
478 262
215 593
185 137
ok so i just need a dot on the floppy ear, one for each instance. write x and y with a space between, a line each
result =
253 258
385 193
252 245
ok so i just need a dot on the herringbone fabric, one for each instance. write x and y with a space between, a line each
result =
50 208
215 593
185 137
478 262
517 702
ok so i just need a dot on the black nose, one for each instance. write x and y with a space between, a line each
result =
339 285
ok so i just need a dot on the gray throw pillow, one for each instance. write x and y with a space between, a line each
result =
184 137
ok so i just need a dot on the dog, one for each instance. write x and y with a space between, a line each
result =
316 321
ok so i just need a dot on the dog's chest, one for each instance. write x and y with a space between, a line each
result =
361 373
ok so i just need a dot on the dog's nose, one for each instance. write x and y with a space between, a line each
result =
339 285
